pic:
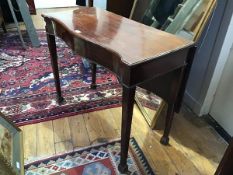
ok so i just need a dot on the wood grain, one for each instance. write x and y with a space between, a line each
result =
63 147
45 139
79 131
108 124
100 28
195 148
29 144
61 130
94 127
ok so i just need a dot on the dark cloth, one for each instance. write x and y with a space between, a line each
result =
7 13
81 2
164 9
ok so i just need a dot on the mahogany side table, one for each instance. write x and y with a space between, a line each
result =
136 53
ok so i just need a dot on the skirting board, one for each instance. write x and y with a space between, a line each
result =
193 104
220 130
196 108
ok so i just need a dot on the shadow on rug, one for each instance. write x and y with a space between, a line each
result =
97 160
27 90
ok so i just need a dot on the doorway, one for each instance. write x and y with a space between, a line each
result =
222 107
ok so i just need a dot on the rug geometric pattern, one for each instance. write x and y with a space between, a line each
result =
27 90
98 160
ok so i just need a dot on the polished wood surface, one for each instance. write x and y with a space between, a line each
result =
195 148
134 52
108 39
53 53
132 42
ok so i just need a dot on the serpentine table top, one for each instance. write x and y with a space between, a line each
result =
122 40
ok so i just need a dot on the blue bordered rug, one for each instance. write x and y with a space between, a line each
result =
96 160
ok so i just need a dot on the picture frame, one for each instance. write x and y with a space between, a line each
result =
11 146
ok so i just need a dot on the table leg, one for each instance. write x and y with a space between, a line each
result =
187 70
169 118
127 112
171 100
93 69
177 92
53 55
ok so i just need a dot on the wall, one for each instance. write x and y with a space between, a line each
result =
218 71
54 3
207 58
221 108
65 3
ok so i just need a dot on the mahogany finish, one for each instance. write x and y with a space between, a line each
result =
137 54
53 53
93 80
131 41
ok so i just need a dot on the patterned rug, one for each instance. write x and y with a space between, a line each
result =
27 90
98 160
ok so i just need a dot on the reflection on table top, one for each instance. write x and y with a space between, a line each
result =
132 41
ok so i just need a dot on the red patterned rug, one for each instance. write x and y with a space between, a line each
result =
27 91
98 160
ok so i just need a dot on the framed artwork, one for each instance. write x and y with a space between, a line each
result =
11 147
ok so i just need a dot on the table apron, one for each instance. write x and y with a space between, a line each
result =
129 75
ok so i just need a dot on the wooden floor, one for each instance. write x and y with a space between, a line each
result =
195 148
